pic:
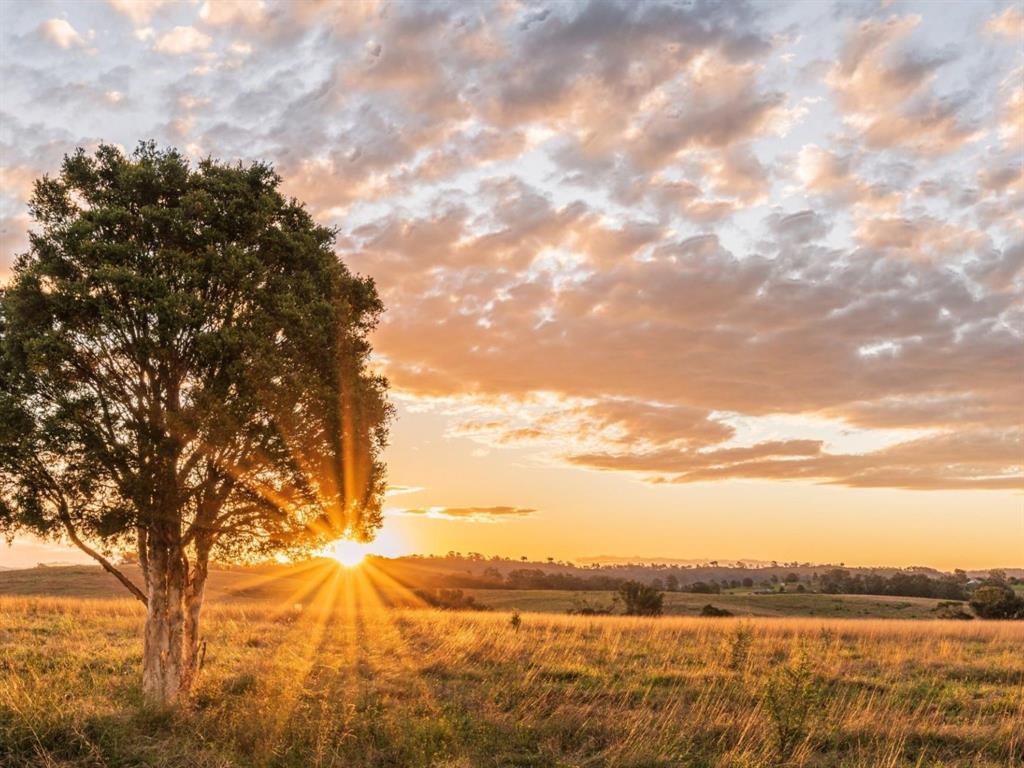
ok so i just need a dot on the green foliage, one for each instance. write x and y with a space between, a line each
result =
839 581
793 698
952 609
739 647
711 611
996 601
640 599
180 349
703 588
581 606
450 600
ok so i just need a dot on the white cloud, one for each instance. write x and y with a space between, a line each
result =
221 12
62 34
181 40
139 11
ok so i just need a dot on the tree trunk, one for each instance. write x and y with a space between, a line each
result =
193 606
170 655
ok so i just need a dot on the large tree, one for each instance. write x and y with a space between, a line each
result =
184 372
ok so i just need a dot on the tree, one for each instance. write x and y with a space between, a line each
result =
184 370
703 588
997 602
996 576
640 599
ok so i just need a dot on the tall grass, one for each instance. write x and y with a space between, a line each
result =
361 686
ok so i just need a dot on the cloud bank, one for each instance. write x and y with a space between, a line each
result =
688 242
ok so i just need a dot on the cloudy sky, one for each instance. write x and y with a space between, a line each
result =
671 279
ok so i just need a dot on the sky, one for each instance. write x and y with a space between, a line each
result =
680 279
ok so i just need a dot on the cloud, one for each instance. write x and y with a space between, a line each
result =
182 40
831 177
469 514
971 460
923 237
589 237
885 90
798 228
1008 24
652 349
139 11
62 34
232 12
400 490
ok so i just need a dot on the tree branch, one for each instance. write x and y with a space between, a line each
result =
65 518
143 544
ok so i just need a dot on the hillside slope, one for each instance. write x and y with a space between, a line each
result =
291 585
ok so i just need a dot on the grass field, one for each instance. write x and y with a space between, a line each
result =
683 604
248 587
349 683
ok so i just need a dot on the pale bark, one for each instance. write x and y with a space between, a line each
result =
160 675
194 595
172 641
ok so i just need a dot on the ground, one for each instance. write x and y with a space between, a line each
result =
337 679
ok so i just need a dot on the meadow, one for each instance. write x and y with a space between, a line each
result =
284 584
341 680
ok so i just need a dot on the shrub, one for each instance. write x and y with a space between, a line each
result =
997 602
450 600
703 588
793 698
952 609
739 647
710 610
640 600
583 607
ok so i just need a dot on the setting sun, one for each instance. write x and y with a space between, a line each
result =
347 552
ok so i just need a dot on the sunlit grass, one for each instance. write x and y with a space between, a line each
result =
336 678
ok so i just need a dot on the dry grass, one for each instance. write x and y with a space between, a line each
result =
277 584
362 686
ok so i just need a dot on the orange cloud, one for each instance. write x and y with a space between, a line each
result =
62 34
1009 24
469 514
885 91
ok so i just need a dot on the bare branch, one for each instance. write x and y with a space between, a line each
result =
65 518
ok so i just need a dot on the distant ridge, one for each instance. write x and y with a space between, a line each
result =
695 561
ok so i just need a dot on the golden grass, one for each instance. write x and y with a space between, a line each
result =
345 682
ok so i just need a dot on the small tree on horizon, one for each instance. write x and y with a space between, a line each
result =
997 602
184 372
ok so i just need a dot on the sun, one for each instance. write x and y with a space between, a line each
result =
347 552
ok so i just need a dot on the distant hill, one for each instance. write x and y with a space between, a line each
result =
304 584
296 582
686 571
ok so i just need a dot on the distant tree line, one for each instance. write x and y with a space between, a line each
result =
992 597
839 581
